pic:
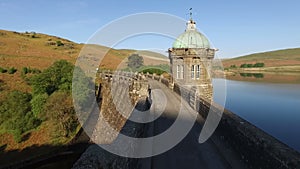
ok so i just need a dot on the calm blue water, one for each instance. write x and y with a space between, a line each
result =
275 108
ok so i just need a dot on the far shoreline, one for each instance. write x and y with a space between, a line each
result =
264 76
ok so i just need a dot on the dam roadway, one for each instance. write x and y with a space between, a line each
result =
189 153
236 143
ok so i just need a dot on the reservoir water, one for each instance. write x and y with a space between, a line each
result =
272 107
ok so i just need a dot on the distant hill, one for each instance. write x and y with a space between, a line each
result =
34 49
286 58
152 54
39 51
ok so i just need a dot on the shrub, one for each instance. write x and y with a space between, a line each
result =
3 70
232 66
35 70
59 43
25 70
153 70
12 70
33 35
37 104
17 134
158 69
1 85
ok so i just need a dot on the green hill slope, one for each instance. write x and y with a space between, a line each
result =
279 59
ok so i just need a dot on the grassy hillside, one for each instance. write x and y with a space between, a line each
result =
280 60
36 51
40 51
152 54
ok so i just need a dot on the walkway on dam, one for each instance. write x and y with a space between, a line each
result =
188 153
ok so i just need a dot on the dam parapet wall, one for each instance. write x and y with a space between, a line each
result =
255 147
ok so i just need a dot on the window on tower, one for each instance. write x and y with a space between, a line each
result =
193 72
178 72
197 71
182 70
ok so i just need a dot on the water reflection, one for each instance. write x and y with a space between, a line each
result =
270 104
269 77
256 75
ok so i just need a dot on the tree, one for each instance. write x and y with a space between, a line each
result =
56 77
246 65
59 108
243 65
249 65
82 90
37 104
135 61
259 65
59 77
15 114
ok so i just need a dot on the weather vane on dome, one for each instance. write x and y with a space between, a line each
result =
191 13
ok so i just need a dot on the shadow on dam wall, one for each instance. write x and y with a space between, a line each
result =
255 148
97 157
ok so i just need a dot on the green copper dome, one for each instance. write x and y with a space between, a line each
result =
191 38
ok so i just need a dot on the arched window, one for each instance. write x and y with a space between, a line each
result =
193 72
182 72
197 71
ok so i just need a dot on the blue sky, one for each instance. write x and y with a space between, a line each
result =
234 27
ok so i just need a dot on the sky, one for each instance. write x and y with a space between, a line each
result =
234 27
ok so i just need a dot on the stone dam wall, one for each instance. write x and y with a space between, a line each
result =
119 94
255 147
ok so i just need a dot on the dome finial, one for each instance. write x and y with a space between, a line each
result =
191 14
191 25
